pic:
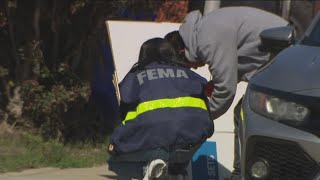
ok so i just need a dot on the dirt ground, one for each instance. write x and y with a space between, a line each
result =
95 173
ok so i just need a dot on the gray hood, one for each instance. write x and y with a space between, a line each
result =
189 38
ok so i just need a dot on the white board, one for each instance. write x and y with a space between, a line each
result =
126 38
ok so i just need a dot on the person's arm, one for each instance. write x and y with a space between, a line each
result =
220 52
129 88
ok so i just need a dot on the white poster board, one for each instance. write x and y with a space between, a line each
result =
126 38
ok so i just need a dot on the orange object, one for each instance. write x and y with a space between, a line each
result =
172 11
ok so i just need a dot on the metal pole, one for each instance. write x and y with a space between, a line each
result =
211 5
286 9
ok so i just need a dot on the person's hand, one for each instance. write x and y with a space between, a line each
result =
208 90
111 149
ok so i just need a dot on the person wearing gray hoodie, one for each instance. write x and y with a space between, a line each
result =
227 39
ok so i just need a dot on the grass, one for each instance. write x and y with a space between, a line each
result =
20 151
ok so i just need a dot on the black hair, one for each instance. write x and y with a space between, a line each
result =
155 50
177 43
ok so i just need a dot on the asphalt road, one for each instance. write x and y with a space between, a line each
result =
95 173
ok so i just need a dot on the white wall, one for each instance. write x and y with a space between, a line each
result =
127 37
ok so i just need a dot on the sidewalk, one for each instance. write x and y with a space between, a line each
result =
95 173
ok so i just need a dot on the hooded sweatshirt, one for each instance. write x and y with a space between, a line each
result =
227 39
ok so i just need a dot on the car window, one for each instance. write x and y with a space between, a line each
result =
314 38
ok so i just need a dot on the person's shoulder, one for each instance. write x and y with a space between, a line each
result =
195 75
130 76
131 73
237 9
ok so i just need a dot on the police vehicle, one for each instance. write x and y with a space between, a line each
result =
280 128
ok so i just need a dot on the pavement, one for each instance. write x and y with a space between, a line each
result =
95 173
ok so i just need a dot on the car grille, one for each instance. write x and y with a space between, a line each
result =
286 160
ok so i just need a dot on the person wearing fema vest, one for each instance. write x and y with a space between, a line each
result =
164 116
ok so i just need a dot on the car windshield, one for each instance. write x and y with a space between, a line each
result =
314 38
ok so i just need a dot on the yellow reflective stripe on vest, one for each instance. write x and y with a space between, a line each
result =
242 114
166 103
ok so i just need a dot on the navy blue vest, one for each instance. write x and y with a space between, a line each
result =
162 106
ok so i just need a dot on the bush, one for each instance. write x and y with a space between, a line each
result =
47 100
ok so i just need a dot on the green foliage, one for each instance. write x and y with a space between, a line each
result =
3 71
23 151
46 102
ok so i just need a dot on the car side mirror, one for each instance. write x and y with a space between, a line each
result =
276 39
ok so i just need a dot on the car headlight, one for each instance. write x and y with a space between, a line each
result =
276 108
